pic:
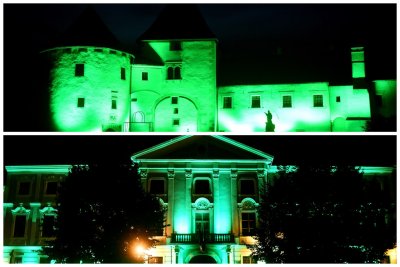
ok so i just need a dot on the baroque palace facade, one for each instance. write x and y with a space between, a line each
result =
208 184
170 85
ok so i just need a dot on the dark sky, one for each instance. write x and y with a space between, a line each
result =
357 150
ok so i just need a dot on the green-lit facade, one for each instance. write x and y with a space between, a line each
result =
172 87
208 184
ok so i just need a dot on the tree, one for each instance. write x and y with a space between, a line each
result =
323 214
103 212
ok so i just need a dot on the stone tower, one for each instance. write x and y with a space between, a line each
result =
89 79
174 75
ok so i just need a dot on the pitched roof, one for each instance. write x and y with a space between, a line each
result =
201 147
179 22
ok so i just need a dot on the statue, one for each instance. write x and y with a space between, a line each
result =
269 126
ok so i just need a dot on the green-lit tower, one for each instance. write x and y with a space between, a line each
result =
174 77
89 79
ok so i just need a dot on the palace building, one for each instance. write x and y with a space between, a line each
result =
209 186
170 84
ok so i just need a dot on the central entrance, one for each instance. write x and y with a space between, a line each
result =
202 259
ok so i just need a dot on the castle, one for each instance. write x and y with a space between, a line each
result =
170 85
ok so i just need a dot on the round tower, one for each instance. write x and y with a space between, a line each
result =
89 87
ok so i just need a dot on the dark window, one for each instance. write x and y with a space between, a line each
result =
248 260
202 187
176 110
157 187
123 77
287 101
177 73
255 101
81 102
175 122
79 69
170 73
227 102
17 260
113 104
338 99
51 188
174 100
19 226
175 46
248 223
378 100
24 188
174 73
247 187
155 260
145 76
113 52
82 50
202 221
48 226
98 50
134 99
318 101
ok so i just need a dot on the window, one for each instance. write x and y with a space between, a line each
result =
338 99
24 188
255 101
17 260
48 226
378 101
51 188
155 260
175 122
227 102
99 50
19 226
318 101
82 49
248 223
123 77
248 260
157 187
202 221
113 104
113 52
287 101
176 110
81 102
79 70
145 76
202 187
247 187
177 73
170 73
174 73
174 100
175 46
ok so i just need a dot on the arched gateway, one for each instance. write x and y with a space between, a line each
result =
202 259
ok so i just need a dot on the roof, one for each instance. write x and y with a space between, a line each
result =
179 22
202 147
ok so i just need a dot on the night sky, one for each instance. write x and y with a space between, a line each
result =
246 34
353 150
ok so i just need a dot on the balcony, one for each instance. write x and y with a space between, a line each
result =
208 238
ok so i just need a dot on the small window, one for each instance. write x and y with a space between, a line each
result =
19 226
338 99
175 122
175 46
51 188
113 52
255 101
123 77
100 50
176 110
248 260
24 188
318 101
170 73
177 73
155 260
227 102
247 187
174 73
145 76
81 102
79 70
113 104
134 99
174 100
248 223
202 187
48 226
378 100
157 187
82 50
287 101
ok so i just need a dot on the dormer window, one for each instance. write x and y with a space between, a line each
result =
175 46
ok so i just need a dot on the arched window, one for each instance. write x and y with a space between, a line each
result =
177 73
170 73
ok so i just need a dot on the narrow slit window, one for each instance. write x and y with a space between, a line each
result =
19 226
113 104
145 76
123 74
79 70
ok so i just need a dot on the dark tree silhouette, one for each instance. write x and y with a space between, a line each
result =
269 126
103 213
324 214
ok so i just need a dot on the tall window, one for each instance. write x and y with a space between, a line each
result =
19 226
248 223
123 77
174 73
79 70
81 102
113 104
202 221
145 76
255 101
227 102
318 101
247 187
175 46
287 101
48 226
24 188
157 186
202 187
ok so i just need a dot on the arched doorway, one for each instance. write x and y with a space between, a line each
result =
202 259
